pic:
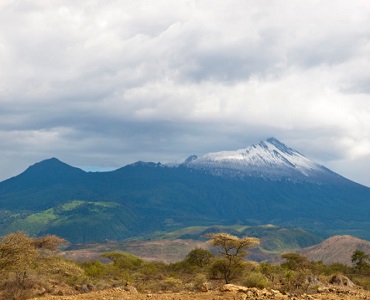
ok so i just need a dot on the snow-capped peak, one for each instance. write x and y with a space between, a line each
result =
269 159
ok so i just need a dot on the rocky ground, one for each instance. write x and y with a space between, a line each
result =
227 293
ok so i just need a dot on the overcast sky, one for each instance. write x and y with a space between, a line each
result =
101 84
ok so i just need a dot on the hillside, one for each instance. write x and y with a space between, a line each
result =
336 249
220 189
175 245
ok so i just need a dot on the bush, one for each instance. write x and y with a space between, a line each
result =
27 264
172 284
199 257
123 260
220 269
152 270
295 262
257 280
199 281
94 269
363 281
335 268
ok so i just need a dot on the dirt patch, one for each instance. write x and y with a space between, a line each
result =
119 294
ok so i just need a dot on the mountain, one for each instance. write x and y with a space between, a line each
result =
270 160
267 183
336 249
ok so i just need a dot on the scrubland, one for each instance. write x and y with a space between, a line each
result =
32 268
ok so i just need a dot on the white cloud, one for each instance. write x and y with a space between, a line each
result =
174 77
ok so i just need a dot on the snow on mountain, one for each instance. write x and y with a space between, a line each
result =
270 159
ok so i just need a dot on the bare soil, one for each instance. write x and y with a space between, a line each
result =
119 294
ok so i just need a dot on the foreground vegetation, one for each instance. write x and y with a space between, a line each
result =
31 267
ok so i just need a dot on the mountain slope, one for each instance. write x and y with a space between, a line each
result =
269 183
336 249
81 221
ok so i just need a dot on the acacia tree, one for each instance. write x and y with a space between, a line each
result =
17 253
232 249
21 255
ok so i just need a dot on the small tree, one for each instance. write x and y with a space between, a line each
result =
17 253
199 257
359 260
22 256
298 269
295 262
233 249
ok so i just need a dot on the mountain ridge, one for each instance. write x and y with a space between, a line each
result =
155 197
204 163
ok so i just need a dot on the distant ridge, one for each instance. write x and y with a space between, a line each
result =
44 173
336 249
51 167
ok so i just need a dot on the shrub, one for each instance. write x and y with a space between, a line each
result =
360 261
26 262
199 257
152 270
172 284
220 269
295 262
94 269
335 268
363 281
257 280
123 260
199 281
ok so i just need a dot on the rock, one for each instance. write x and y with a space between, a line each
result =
233 288
322 289
275 292
130 289
85 288
341 281
204 287
265 293
41 291
253 293
313 280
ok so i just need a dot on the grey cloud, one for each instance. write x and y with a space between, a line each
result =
106 83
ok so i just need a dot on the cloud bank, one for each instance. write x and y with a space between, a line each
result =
100 84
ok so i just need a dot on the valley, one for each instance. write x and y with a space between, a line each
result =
174 246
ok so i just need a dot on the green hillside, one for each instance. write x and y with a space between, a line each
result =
78 220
